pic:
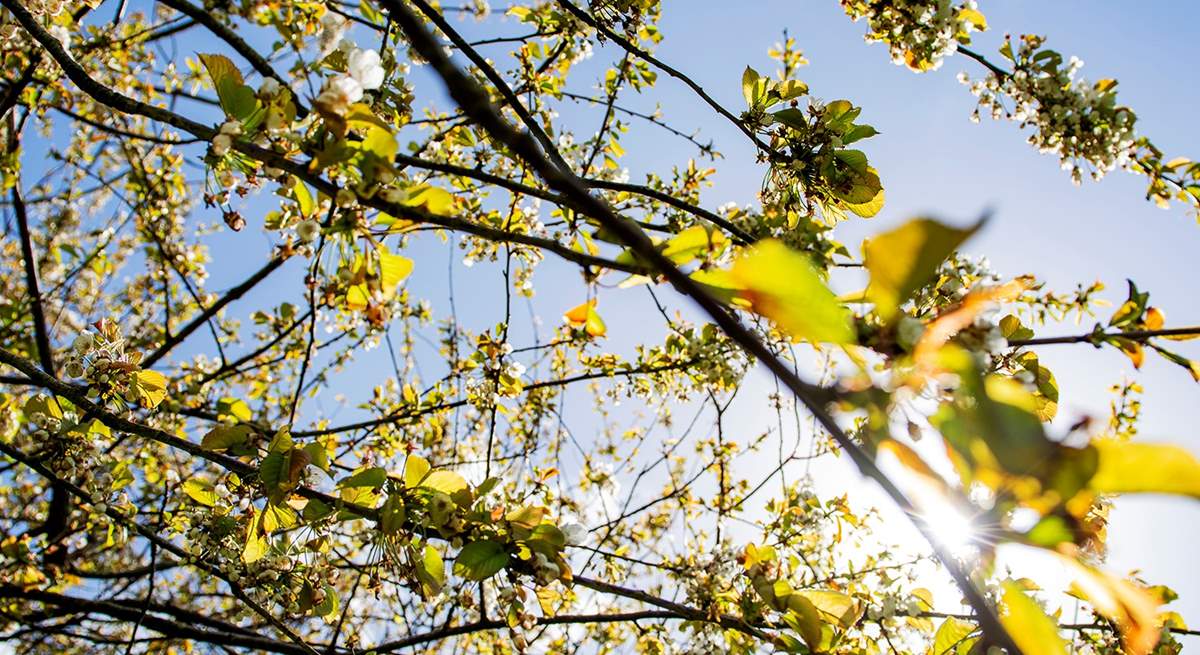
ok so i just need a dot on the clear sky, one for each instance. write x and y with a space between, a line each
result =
932 160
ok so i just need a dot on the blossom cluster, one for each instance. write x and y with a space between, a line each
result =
1079 121
101 360
919 33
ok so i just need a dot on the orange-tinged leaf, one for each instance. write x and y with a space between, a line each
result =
586 317
1153 320
944 327
1133 609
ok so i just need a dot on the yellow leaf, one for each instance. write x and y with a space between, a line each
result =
1145 468
393 269
1028 625
447 482
974 17
256 543
221 69
906 258
783 285
200 491
150 387
949 635
415 469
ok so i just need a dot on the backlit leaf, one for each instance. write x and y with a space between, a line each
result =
1145 468
783 285
950 634
480 560
1028 625
905 259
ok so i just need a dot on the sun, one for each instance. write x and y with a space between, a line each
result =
954 529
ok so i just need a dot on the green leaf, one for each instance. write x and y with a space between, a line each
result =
783 285
226 437
905 259
431 570
372 478
281 442
315 510
752 86
237 100
792 117
858 133
481 560
200 491
950 634
803 617
329 605
1145 468
318 455
1028 625
271 471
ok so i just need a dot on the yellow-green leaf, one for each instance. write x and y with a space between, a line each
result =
783 285
150 387
949 635
904 259
393 269
447 482
1145 468
481 560
1028 625
200 491
415 469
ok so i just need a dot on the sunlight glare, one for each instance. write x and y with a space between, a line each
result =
952 528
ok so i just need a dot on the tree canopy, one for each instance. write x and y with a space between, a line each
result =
174 476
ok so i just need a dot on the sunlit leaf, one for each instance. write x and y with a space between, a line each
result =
150 387
200 491
415 469
783 285
585 316
1133 609
1033 631
447 482
905 259
372 478
950 635
393 269
481 560
1127 467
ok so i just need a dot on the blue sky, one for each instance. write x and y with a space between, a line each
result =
932 161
